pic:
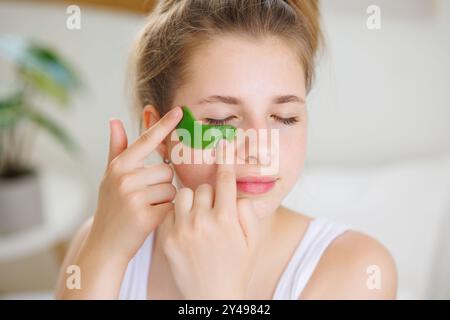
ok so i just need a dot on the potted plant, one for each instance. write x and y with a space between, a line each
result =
40 73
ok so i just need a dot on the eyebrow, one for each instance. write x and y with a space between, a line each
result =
236 101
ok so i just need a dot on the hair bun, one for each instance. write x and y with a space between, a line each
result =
165 5
309 12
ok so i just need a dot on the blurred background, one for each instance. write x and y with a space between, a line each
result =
379 136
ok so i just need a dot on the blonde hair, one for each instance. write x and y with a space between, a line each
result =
176 29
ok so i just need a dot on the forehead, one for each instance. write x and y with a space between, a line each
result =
242 66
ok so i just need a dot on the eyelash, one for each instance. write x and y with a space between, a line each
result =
219 122
287 121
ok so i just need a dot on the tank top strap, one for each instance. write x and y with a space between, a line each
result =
319 234
134 282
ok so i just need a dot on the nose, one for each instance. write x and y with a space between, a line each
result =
255 141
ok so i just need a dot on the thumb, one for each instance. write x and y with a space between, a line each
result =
248 220
118 141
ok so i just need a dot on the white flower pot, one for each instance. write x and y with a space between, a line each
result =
20 203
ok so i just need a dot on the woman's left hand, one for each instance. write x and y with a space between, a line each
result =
213 238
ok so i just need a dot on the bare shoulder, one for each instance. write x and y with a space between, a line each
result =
72 252
354 266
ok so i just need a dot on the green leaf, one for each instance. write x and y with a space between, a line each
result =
11 109
44 83
40 67
54 130
42 70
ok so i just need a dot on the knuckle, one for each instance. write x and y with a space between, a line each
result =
146 136
168 190
169 171
165 171
171 190
115 166
123 183
133 199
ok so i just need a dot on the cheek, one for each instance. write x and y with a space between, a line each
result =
194 168
193 175
293 147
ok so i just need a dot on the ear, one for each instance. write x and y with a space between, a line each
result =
150 116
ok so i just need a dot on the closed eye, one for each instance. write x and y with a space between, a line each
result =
286 121
219 122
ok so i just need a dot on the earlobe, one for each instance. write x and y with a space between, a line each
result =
162 150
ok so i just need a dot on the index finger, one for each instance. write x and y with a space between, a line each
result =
151 138
225 195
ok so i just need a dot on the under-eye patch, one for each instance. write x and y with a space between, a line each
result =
195 134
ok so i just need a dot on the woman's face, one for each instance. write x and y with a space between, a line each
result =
252 85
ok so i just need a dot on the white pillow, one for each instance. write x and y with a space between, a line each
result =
400 204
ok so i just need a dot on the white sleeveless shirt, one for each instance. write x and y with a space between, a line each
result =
319 234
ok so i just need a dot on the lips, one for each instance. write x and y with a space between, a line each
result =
255 184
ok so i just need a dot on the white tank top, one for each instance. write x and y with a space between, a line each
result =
319 234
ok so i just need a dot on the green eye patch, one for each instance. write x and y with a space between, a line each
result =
194 134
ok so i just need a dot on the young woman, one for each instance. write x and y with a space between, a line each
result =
221 232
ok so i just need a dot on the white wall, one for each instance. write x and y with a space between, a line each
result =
382 95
